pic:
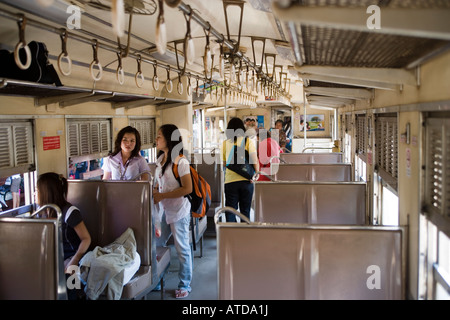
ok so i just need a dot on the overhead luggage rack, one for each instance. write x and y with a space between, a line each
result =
69 96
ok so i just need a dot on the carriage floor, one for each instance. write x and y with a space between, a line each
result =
204 281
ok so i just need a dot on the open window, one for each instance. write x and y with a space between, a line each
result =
361 148
207 131
348 138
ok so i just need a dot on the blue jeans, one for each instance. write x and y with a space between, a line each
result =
181 237
239 193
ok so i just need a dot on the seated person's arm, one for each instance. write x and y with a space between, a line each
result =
85 238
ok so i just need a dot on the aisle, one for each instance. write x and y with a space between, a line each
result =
204 282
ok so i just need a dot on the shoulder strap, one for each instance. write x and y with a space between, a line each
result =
234 151
69 212
175 169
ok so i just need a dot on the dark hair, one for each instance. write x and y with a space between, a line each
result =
118 142
52 189
174 142
279 120
235 129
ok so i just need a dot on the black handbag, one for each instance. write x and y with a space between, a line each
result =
241 164
40 69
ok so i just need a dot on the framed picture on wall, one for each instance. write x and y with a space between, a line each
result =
314 122
256 121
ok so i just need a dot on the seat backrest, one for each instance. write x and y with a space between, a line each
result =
211 173
301 262
108 208
336 157
311 202
31 259
312 172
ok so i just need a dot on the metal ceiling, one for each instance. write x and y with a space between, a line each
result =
325 43
336 51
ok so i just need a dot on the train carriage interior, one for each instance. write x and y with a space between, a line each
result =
356 204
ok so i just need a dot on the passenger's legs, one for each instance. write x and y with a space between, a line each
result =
180 232
231 199
245 197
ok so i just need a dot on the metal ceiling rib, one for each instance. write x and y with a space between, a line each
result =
70 96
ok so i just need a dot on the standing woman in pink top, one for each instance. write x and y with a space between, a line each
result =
267 149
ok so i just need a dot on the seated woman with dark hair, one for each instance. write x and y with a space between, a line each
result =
51 188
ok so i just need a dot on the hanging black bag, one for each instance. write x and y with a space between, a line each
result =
40 69
241 164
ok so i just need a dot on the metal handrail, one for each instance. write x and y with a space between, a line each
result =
222 211
258 173
277 157
52 206
141 173
311 148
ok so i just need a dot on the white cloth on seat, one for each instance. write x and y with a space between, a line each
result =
107 269
132 269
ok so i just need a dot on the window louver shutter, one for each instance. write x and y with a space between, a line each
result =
104 136
84 139
437 178
146 128
6 145
95 137
361 134
88 138
22 142
16 145
387 148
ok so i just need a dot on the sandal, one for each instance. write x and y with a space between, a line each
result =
181 293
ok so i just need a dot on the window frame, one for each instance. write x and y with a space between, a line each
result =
16 165
434 226
75 153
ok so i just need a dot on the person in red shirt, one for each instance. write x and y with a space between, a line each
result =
267 149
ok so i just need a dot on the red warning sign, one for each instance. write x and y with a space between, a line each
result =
51 143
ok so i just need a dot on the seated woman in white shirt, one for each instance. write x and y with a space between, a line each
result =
125 162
